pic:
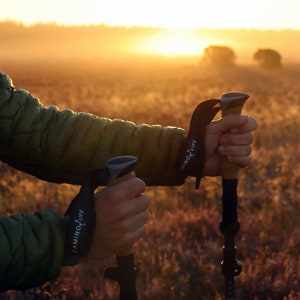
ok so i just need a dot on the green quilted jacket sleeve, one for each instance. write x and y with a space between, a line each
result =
63 146
31 249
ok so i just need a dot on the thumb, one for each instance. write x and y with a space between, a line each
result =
226 124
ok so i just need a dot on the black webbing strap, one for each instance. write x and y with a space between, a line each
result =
191 159
82 218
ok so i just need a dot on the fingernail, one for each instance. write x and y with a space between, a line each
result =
221 149
243 118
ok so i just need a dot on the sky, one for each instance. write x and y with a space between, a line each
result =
183 14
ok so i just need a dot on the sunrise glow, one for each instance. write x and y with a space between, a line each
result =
176 20
173 42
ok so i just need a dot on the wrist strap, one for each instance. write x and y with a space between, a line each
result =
82 217
191 158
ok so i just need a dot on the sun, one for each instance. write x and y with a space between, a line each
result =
173 42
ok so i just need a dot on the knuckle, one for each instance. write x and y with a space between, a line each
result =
250 137
139 233
254 123
145 216
249 150
110 194
140 184
141 203
145 200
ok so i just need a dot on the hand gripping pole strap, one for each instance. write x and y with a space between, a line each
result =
192 154
81 225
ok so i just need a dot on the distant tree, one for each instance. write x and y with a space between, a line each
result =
267 58
219 56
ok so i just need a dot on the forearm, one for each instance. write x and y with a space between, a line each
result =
63 146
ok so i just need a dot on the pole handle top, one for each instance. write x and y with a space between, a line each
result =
231 104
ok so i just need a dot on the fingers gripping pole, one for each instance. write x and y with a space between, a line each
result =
231 103
82 219
119 169
125 273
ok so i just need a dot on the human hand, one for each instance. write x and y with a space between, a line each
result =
121 214
230 137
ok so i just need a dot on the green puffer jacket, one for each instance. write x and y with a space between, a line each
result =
62 147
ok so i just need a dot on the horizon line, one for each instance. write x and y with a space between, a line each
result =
58 24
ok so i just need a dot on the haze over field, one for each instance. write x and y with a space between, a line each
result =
188 14
51 41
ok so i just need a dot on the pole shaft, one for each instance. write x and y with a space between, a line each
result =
232 104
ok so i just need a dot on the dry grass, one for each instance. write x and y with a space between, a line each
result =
180 256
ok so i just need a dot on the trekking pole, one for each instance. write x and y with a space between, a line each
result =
125 273
231 103
192 162
82 218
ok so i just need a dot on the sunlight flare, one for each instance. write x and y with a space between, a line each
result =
172 43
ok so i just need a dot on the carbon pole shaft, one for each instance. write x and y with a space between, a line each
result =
231 103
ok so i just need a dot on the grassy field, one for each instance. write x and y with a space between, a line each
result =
181 253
